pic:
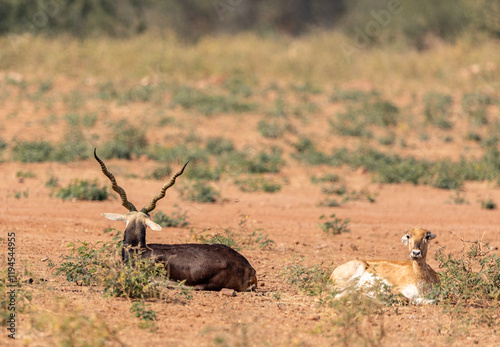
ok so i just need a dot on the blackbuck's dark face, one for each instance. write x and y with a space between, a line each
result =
417 240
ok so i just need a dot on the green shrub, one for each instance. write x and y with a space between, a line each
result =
327 178
203 172
334 225
219 145
274 128
352 95
381 113
3 145
236 85
141 311
264 162
100 264
178 219
253 184
488 204
475 106
310 280
226 238
437 109
32 152
74 147
388 139
127 141
178 154
471 277
307 152
200 192
329 202
209 104
83 190
161 172
25 174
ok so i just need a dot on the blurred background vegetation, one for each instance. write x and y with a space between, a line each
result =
415 24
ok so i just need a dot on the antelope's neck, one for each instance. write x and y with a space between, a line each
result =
421 272
135 234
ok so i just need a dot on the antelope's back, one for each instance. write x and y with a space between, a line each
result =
208 267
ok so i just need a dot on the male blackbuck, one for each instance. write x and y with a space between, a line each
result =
204 267
412 278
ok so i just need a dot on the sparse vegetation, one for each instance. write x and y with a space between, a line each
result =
253 184
83 190
470 278
334 225
255 111
200 192
32 151
488 204
178 219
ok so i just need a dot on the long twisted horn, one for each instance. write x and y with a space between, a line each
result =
127 204
159 196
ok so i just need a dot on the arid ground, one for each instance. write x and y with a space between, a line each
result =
276 230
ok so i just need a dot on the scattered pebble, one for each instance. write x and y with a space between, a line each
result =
228 292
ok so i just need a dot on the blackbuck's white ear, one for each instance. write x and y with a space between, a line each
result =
115 216
405 239
153 225
430 235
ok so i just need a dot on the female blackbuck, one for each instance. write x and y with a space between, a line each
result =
204 267
412 278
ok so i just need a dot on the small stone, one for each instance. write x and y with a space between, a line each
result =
228 292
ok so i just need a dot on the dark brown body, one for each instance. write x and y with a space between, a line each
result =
205 267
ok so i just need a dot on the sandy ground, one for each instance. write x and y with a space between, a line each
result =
277 314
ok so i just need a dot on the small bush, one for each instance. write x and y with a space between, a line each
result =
3 145
52 182
471 277
178 219
25 174
100 264
178 154
203 172
74 147
127 141
161 172
32 152
475 106
488 204
310 280
226 238
219 145
264 162
200 192
274 128
327 178
307 152
334 225
255 184
437 109
83 190
141 311
329 202
209 104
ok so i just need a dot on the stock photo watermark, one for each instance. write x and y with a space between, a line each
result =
12 284
33 24
362 36
223 7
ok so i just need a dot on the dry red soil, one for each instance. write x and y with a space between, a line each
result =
277 314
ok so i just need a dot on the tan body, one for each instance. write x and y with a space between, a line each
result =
412 278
